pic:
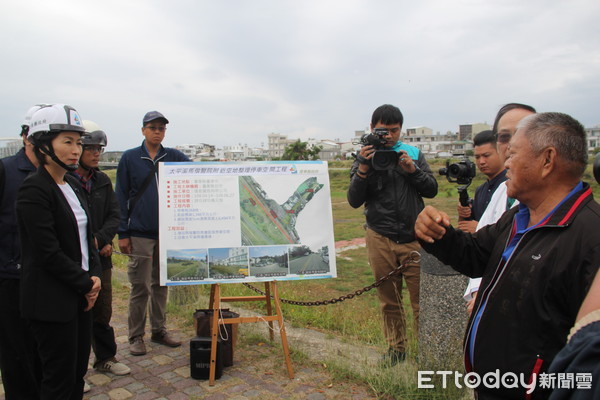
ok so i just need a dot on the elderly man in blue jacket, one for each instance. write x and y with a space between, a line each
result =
137 192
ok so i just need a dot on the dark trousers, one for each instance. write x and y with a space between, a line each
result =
103 335
64 351
18 361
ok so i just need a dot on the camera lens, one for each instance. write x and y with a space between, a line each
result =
456 170
384 159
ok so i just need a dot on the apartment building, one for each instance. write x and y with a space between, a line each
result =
468 131
277 144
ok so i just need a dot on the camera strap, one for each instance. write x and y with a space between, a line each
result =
143 188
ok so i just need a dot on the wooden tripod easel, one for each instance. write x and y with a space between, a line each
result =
215 305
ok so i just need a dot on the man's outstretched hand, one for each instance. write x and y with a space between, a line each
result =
431 224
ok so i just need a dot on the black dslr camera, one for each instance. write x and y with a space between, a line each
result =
382 159
462 173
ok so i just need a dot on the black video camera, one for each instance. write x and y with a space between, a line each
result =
383 159
462 173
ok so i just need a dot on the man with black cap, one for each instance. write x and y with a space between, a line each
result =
137 192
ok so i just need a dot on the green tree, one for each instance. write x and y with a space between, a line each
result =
300 151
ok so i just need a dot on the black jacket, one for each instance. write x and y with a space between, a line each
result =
393 198
104 207
15 170
531 303
53 284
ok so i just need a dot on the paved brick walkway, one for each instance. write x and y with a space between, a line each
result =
258 373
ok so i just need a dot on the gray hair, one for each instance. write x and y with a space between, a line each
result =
560 131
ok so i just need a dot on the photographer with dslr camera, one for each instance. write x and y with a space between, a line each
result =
391 178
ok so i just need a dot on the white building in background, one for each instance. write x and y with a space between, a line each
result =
593 137
258 153
330 150
433 146
436 145
347 148
241 153
198 151
10 146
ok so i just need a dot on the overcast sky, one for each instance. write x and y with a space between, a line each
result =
230 72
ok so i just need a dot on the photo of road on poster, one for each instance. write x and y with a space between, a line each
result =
245 222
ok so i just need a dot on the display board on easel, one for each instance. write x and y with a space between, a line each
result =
232 222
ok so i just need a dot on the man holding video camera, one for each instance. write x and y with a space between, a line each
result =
391 178
490 164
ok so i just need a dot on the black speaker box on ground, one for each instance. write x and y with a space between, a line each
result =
200 358
228 332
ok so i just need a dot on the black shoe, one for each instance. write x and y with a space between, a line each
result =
391 358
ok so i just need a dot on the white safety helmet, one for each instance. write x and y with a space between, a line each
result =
30 113
26 121
53 119
94 134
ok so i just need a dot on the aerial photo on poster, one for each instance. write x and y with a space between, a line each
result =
264 221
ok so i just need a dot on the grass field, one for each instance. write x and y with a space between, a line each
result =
356 320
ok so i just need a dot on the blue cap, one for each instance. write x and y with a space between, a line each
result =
153 115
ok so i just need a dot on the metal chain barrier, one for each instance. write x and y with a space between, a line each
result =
413 258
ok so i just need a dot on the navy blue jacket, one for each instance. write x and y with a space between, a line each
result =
579 356
134 167
16 169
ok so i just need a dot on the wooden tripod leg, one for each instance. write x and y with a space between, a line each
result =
211 299
269 308
215 304
284 342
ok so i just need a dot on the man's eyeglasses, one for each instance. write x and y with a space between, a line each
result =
93 149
